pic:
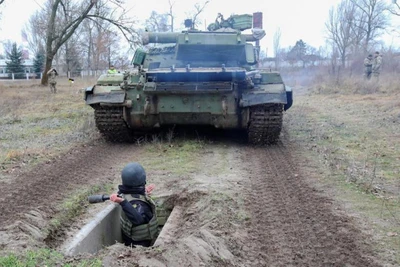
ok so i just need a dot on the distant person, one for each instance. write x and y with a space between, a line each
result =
376 65
112 70
52 75
139 223
368 67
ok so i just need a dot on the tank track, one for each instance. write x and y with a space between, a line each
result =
265 124
110 122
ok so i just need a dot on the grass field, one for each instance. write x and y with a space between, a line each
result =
36 125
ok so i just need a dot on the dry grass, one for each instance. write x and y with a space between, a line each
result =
357 135
36 125
356 84
354 132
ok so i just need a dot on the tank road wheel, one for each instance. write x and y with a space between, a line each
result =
265 124
110 122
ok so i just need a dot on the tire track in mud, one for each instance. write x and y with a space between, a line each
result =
47 184
292 224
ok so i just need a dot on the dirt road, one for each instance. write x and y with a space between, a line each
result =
243 206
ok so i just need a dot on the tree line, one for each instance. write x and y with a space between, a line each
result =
88 34
353 30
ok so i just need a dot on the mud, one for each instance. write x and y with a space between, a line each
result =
246 206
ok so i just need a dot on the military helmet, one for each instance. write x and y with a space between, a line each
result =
133 175
370 56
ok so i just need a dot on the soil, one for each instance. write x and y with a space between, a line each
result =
245 206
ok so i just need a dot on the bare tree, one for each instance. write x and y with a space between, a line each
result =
373 19
157 22
57 34
35 31
339 27
357 26
395 8
334 64
1 2
277 46
198 9
87 42
7 45
98 40
171 14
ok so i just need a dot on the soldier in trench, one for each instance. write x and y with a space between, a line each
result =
139 219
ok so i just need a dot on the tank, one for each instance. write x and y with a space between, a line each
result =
198 78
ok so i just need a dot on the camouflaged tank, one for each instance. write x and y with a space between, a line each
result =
194 78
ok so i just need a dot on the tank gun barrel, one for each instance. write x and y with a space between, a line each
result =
252 73
171 37
159 37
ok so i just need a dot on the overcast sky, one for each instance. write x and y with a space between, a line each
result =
296 20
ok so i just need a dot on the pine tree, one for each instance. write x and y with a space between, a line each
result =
299 52
15 65
38 63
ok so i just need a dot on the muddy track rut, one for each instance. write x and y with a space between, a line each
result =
292 224
47 184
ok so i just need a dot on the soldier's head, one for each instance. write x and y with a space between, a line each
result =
370 56
133 175
376 53
112 67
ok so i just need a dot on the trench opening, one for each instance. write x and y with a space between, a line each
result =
104 229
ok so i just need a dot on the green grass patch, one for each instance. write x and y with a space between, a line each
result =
178 157
228 214
34 119
45 257
72 207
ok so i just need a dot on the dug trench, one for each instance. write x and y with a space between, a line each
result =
239 206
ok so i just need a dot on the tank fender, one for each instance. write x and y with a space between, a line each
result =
88 91
253 99
106 98
289 97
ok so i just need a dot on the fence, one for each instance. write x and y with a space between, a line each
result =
33 76
19 76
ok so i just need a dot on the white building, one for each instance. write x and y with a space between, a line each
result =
28 65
